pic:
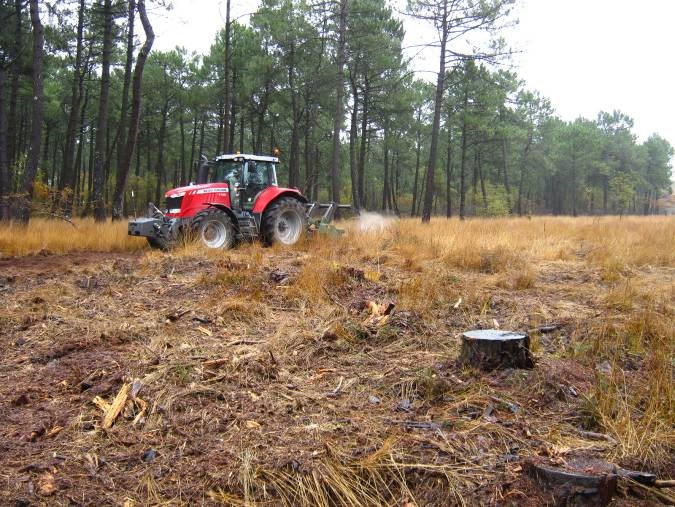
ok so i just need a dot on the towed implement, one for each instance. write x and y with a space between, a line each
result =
236 198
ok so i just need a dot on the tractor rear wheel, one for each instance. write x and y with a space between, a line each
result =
214 228
284 221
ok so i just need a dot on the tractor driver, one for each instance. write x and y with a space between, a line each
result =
256 176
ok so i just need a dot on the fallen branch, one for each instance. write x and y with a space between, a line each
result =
597 436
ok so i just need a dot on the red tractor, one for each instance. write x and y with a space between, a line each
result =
236 198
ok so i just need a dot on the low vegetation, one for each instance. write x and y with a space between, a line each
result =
54 236
266 376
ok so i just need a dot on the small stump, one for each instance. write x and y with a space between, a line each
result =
581 481
489 349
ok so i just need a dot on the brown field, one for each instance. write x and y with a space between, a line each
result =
255 376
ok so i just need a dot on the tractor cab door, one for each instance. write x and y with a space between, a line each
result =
232 173
256 179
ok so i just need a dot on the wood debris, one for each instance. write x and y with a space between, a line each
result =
46 484
116 406
205 331
378 314
54 431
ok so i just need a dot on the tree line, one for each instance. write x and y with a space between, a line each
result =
93 121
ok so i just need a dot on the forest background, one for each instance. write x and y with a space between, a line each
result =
94 120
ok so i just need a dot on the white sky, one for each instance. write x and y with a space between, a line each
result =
584 55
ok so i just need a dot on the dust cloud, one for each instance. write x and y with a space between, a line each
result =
369 221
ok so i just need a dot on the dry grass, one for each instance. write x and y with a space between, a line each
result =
259 365
58 236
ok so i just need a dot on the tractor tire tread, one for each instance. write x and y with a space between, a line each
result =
201 216
270 215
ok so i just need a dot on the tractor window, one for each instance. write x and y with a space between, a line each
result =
257 174
226 170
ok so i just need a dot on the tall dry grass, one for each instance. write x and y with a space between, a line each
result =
58 236
489 245
484 245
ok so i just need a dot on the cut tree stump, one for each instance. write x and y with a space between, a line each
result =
582 481
489 349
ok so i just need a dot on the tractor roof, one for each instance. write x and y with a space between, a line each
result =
245 156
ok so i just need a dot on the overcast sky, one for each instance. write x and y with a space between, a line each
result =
584 55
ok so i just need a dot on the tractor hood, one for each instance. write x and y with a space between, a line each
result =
196 189
184 202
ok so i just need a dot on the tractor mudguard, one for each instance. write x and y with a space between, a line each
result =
272 193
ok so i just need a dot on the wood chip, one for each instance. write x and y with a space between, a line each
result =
205 331
46 484
144 408
252 425
101 403
215 363
54 431
325 370
379 314
116 406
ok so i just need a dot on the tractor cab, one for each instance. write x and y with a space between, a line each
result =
247 175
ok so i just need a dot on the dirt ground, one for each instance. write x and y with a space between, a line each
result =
253 378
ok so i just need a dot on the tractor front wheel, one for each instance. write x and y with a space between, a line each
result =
214 228
284 221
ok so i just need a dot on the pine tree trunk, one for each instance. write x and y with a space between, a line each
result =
506 176
38 105
134 122
4 167
201 137
80 154
227 96
523 170
394 185
339 91
241 131
68 170
192 148
233 122
181 123
435 129
353 133
15 71
160 170
124 113
102 120
219 133
482 182
448 174
418 150
462 166
362 148
294 159
385 187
